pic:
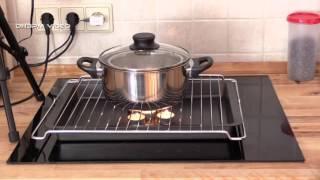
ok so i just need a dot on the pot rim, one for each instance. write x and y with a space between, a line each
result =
102 60
146 70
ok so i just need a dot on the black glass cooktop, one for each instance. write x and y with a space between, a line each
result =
269 137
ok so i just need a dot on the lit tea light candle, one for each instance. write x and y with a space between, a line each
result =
166 114
136 116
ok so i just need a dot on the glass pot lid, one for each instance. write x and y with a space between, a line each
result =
144 55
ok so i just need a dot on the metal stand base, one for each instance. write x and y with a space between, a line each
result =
14 136
19 53
13 133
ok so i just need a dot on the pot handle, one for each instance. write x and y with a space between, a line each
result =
200 64
89 65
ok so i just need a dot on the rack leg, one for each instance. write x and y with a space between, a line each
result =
13 133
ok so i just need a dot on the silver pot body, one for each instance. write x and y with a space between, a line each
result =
141 87
145 71
144 86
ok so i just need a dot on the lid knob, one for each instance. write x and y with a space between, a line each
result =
144 41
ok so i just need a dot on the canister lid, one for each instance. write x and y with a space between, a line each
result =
303 17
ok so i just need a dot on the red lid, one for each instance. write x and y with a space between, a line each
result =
304 18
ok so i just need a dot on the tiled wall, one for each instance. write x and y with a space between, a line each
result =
229 30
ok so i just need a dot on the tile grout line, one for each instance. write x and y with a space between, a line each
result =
157 16
263 31
192 28
228 33
227 19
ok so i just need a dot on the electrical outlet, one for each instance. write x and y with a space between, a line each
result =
107 12
52 10
79 10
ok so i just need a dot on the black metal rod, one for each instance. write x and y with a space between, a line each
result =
13 133
20 54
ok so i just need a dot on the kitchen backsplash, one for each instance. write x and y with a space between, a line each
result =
229 30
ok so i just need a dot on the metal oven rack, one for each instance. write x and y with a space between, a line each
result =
210 105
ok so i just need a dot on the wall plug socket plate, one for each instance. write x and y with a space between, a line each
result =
84 10
52 10
108 18
79 10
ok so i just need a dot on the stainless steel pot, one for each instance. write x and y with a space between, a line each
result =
145 71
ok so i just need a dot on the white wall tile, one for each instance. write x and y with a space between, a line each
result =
295 5
137 10
209 37
274 57
210 9
84 44
12 15
244 57
246 36
23 11
98 41
230 30
275 35
36 45
276 8
216 57
245 8
176 33
128 29
90 45
174 9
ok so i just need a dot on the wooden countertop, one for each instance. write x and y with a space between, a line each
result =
301 104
